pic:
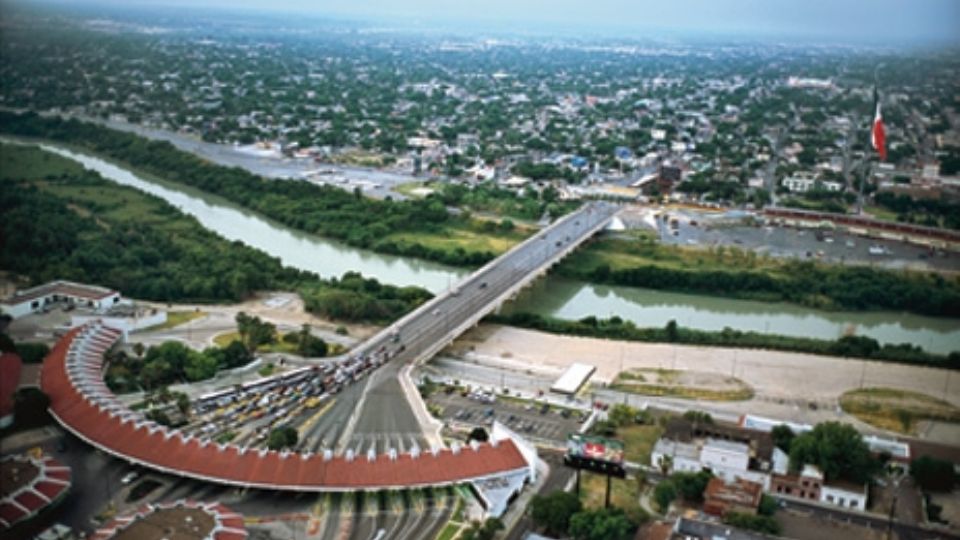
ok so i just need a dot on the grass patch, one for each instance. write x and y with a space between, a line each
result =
897 410
449 531
641 250
669 383
638 441
225 437
684 392
458 237
408 188
879 212
267 370
176 318
225 339
624 494
278 346
17 163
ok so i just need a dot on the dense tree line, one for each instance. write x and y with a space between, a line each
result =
561 514
489 197
800 282
165 256
45 240
354 297
323 210
617 328
929 212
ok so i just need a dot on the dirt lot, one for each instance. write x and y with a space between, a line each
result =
790 386
803 526
769 373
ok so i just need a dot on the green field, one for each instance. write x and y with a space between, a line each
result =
176 318
638 441
643 249
458 237
624 494
18 162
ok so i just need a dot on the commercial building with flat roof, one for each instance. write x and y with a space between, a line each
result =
573 379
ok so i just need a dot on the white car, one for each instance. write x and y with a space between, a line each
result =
129 477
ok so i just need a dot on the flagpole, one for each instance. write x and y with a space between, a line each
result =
866 163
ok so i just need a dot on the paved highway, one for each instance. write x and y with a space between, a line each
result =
383 408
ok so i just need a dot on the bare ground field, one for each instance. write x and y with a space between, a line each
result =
770 373
797 387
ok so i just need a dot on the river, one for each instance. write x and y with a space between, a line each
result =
553 296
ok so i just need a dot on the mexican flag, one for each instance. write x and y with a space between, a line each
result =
878 136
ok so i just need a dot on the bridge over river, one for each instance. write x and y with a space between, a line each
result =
383 402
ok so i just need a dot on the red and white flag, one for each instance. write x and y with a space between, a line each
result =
878 136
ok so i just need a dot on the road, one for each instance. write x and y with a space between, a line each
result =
871 521
384 407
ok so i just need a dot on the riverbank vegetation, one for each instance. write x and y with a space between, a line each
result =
64 222
617 328
322 210
425 228
642 262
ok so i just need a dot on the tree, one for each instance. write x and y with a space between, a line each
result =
664 494
933 474
763 524
310 345
837 450
254 332
553 512
199 366
282 437
483 531
622 414
768 505
698 417
671 330
478 434
138 349
183 402
690 485
666 464
603 524
782 437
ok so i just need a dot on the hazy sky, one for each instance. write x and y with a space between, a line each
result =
843 20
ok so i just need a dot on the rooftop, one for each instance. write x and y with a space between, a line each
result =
15 474
69 288
169 524
82 403
181 520
721 497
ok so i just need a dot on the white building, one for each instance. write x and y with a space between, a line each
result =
680 456
36 299
514 182
803 182
844 495
730 460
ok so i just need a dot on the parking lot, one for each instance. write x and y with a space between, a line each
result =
692 228
529 418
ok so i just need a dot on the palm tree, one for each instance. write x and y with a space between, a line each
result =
666 464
